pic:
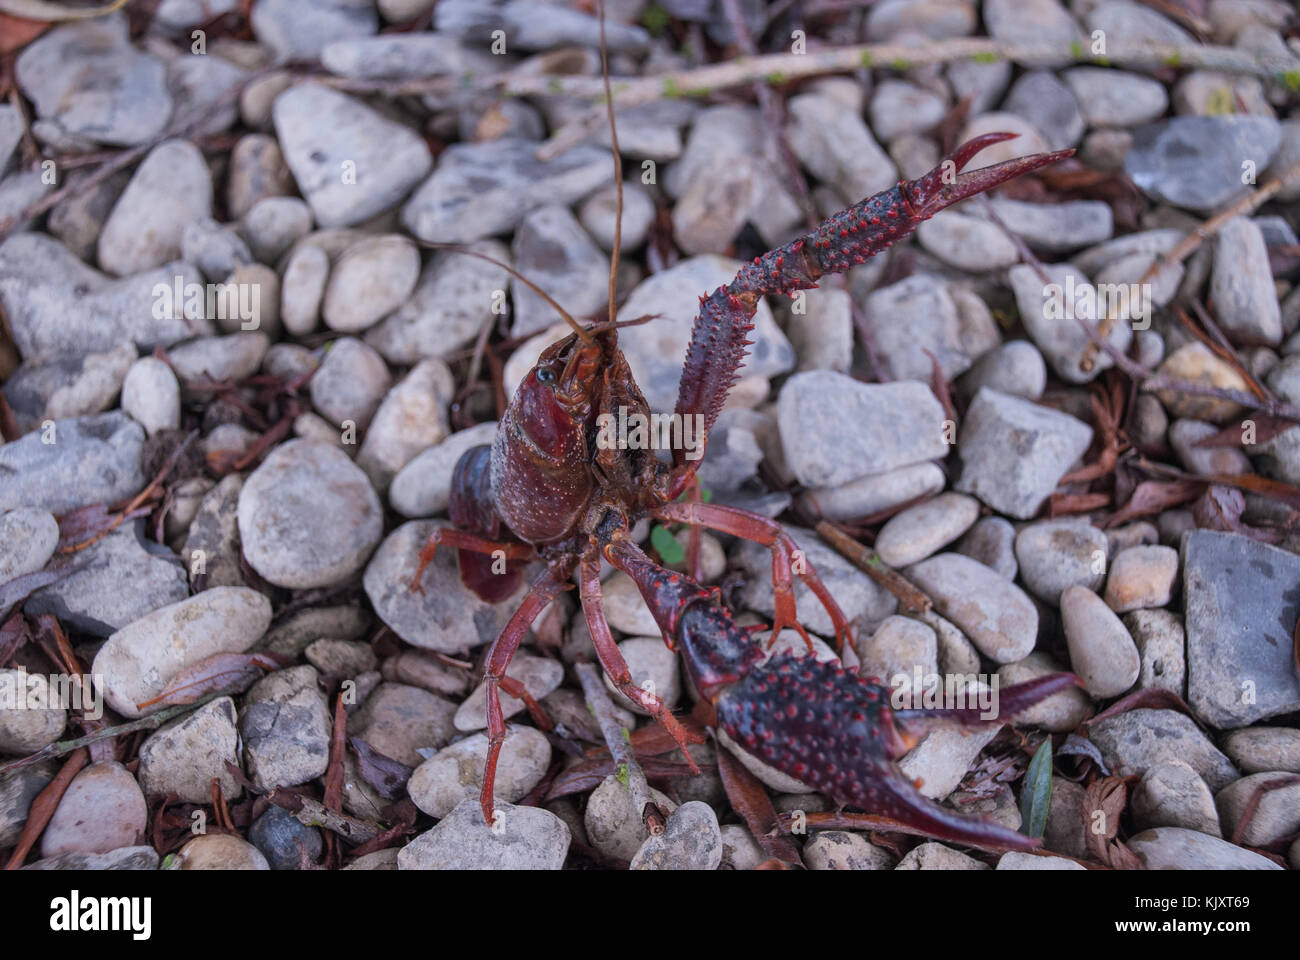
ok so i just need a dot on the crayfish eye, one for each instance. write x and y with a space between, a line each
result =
547 376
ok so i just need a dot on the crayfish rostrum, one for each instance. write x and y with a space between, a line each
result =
546 489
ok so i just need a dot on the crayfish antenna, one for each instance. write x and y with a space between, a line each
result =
618 171
943 186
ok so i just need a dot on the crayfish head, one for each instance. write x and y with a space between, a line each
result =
945 184
557 399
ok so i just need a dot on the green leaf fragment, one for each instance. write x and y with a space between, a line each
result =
1036 792
670 551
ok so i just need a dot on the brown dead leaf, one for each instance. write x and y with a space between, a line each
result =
749 798
387 776
1153 496
1266 428
221 671
1151 698
1103 806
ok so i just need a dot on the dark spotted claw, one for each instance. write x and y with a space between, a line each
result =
836 732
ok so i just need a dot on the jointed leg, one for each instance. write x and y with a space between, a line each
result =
761 530
465 541
543 591
616 668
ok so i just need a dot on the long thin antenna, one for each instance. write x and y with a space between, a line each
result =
465 251
618 166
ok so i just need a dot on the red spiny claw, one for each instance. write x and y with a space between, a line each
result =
943 186
835 732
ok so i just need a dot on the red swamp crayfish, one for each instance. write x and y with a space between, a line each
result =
546 489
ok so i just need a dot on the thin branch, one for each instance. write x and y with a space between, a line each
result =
620 748
313 813
911 597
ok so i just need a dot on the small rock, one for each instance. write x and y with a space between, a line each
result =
1015 368
102 810
925 319
350 384
212 546
1051 314
837 147
1195 362
740 851
597 214
935 856
1028 861
1045 443
997 616
186 755
553 251
1048 104
372 278
1184 435
280 511
1195 162
73 463
1116 98
1276 815
1142 577
899 107
169 190
27 540
1174 848
232 357
285 729
1055 554
124 858
400 720
614 826
691 841
941 760
139 660
1133 742
1245 300
411 418
1056 227
1101 651
917 532
284 841
655 670
151 395
991 542
214 249
273 224
483 189
1262 749
325 135
220 851
1240 612
303 289
876 493
899 647
32 715
1173 795
528 838
1159 638
423 486
455 773
843 850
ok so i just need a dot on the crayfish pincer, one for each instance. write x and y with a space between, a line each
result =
548 489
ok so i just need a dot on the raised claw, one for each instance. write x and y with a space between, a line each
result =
944 185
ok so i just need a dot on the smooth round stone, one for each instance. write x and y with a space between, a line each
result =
213 248
1062 712
350 384
521 838
232 357
151 395
455 773
1142 577
30 717
28 537
598 212
1260 749
1196 362
1174 848
625 608
220 851
308 516
169 190
1172 794
260 285
288 361
400 720
102 810
1056 554
1016 368
655 670
691 841
284 841
257 168
919 531
1276 816
843 850
1014 860
614 826
342 658
422 487
1102 652
874 494
273 224
302 289
411 418
740 851
137 662
899 646
940 761
1184 435
539 675
373 278
996 615
935 856
992 542
186 755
